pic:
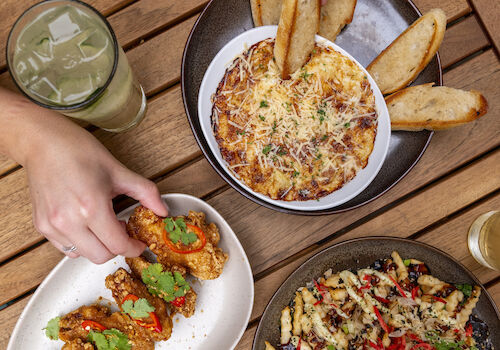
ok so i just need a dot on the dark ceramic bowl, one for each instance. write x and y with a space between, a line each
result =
375 25
362 252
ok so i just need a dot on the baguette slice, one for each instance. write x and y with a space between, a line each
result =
335 15
266 12
400 63
299 23
434 108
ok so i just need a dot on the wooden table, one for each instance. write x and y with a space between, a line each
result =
456 180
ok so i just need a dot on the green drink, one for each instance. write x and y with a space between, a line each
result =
64 55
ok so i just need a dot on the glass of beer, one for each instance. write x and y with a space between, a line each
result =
63 55
484 240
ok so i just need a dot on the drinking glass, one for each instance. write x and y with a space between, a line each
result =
63 55
484 239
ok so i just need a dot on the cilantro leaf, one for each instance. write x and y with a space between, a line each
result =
110 339
263 104
164 284
139 309
266 149
177 231
464 288
52 328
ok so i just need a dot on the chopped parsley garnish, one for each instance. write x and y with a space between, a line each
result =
321 112
321 119
262 117
177 231
163 283
287 106
305 75
324 137
241 132
266 149
109 339
52 328
295 173
407 262
347 125
139 309
464 288
318 156
263 104
281 151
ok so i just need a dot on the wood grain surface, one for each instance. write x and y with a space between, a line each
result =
455 181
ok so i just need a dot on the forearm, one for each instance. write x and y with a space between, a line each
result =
24 125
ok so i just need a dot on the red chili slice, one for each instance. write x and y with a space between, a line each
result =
414 292
414 337
196 230
401 291
320 290
89 324
155 325
298 344
381 320
468 331
179 301
382 300
441 300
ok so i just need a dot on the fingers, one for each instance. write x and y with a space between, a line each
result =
60 247
143 190
113 235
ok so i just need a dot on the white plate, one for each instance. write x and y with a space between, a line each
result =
223 306
214 75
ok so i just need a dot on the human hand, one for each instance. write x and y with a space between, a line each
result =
72 179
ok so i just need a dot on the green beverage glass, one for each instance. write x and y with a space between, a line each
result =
63 55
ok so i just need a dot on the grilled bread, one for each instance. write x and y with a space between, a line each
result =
299 23
400 63
335 15
266 12
434 108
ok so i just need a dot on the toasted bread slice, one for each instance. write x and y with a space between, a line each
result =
299 23
434 108
266 12
335 15
400 63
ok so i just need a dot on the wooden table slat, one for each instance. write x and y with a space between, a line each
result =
489 12
453 9
8 319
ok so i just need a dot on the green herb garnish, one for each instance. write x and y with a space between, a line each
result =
464 288
266 149
347 125
177 231
345 328
139 309
305 75
262 117
407 262
295 173
263 104
163 283
109 339
330 347
52 328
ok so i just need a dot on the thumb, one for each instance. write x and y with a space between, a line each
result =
141 189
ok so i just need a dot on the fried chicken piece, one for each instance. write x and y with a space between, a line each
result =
205 264
78 344
137 265
70 327
121 284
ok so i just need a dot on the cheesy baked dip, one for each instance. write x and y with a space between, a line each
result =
394 304
298 139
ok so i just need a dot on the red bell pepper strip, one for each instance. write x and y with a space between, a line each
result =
382 300
414 292
414 337
317 303
320 290
155 325
375 346
298 344
196 230
422 346
179 301
381 320
401 291
89 324
441 300
468 331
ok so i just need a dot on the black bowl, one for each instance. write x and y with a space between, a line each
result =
360 253
375 25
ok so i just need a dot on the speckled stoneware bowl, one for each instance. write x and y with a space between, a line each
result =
362 252
375 25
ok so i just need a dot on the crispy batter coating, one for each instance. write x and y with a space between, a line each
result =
121 284
206 264
78 344
71 327
137 265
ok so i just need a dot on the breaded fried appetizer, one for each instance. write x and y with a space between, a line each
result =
183 240
185 304
146 311
96 324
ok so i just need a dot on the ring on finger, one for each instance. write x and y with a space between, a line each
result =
70 249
